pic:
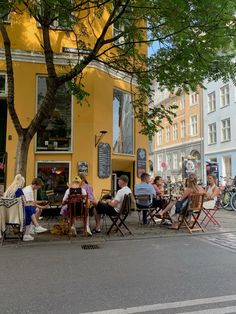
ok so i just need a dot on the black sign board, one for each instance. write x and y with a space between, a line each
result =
141 161
104 160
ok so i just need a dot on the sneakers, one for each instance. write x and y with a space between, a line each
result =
73 230
39 229
27 237
89 231
32 230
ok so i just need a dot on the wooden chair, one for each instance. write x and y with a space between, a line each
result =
78 207
210 213
151 211
193 210
118 220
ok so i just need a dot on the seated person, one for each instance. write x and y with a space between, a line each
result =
192 187
159 188
112 206
74 188
15 190
212 192
145 188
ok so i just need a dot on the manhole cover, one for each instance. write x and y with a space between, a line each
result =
90 246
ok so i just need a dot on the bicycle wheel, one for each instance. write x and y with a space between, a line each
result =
226 199
233 201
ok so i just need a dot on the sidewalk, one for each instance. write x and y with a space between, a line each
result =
226 218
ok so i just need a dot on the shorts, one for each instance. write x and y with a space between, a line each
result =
29 212
104 208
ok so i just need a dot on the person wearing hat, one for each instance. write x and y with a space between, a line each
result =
74 188
111 207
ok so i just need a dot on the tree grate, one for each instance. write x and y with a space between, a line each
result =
90 246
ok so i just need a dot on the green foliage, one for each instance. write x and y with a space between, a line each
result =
194 41
78 91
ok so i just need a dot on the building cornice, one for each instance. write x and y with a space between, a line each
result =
219 151
64 59
163 148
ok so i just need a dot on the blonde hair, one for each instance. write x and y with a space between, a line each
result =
192 182
17 183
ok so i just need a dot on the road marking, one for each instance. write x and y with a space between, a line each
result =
223 310
172 305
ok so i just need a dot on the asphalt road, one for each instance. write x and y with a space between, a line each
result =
163 275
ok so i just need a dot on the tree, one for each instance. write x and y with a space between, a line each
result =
194 39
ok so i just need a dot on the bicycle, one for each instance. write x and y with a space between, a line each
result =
227 194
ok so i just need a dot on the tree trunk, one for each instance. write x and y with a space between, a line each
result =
22 154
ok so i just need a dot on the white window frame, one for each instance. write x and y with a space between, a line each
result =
175 131
183 129
211 100
212 133
159 137
4 93
182 102
225 130
194 125
168 134
168 161
224 96
193 99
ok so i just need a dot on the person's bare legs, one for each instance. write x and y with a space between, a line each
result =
167 209
38 212
97 220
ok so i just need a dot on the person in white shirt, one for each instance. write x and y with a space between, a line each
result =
212 192
111 207
33 209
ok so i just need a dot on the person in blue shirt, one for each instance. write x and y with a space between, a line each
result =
145 188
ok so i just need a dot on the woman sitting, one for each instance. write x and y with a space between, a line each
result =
192 187
74 189
212 192
15 190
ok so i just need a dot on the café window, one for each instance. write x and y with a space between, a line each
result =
3 84
55 134
123 123
55 176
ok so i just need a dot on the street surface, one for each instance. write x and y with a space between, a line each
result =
183 274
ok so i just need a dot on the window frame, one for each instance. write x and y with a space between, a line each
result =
175 161
224 95
193 124
175 131
212 135
167 134
72 124
224 130
211 102
133 119
182 129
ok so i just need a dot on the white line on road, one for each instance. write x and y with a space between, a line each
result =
223 310
172 305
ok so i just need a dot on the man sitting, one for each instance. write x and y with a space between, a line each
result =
144 188
111 207
32 207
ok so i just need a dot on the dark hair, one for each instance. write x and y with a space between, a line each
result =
37 181
144 175
157 178
212 175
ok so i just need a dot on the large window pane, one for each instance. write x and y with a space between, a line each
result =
55 176
56 135
123 123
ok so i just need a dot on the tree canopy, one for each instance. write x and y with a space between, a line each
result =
194 40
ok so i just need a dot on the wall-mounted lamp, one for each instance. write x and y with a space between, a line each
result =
99 137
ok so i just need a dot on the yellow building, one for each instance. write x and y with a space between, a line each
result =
69 142
183 139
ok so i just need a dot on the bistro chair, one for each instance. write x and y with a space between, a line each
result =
210 214
118 220
193 210
78 208
151 211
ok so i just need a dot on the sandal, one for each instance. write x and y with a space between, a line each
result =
96 231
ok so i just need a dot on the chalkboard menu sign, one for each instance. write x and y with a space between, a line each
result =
141 161
104 160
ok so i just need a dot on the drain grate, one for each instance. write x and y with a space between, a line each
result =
90 246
